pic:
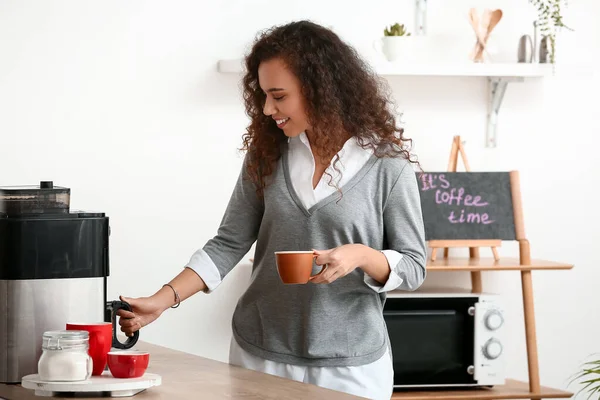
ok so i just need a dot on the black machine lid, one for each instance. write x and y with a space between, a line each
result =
41 238
43 199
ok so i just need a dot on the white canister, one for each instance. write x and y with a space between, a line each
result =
399 48
65 356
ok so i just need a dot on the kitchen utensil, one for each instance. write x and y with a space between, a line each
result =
475 24
489 21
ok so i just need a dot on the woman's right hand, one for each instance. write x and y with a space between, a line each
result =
144 311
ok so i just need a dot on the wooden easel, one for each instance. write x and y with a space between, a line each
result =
474 245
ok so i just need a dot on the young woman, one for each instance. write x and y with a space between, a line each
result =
328 170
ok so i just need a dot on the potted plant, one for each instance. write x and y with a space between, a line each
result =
396 30
394 42
589 378
550 21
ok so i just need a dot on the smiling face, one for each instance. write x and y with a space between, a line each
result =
284 101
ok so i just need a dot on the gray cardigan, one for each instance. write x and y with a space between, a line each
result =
321 325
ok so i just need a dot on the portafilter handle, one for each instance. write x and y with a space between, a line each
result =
114 306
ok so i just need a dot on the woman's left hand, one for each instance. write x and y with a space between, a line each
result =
340 262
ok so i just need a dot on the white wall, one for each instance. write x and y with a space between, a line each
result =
121 101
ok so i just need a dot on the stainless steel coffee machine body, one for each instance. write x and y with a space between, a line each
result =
53 269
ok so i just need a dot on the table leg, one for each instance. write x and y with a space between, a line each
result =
530 334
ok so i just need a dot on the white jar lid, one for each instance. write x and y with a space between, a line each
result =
64 339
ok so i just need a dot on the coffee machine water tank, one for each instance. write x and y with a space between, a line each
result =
53 269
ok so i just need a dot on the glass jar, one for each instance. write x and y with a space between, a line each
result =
65 356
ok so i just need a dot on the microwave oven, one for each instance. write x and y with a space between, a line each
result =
446 338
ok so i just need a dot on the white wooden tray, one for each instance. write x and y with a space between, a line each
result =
104 385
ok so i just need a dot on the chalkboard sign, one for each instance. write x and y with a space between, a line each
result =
467 205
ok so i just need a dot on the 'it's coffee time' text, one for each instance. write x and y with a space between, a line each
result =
455 196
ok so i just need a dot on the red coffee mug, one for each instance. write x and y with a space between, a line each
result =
101 336
295 267
128 364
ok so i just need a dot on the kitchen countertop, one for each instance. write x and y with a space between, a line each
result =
186 376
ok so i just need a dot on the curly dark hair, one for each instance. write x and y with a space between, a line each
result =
343 97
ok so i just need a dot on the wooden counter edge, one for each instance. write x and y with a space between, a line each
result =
184 375
513 389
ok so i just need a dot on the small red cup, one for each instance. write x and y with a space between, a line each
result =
128 363
100 342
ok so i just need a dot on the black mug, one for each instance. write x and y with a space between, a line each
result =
111 310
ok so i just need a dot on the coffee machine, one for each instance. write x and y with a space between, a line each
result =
54 266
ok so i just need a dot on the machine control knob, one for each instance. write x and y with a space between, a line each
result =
493 320
492 349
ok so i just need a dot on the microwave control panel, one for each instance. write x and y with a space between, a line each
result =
489 341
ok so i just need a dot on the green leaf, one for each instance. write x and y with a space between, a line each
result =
396 30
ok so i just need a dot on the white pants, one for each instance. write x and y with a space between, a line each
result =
373 381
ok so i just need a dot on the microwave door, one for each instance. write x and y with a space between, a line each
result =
431 345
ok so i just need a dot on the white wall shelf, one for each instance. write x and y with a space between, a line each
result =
464 70
491 70
498 75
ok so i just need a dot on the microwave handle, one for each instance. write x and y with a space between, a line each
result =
431 312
